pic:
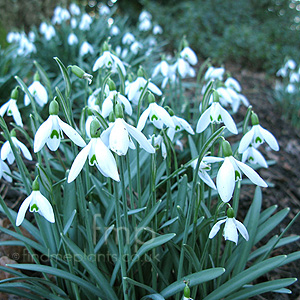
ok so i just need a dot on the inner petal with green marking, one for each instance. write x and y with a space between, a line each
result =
54 133
258 140
34 208
238 175
93 160
154 117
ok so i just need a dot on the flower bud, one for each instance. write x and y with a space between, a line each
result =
35 184
169 110
111 84
95 129
53 107
36 76
254 119
226 148
14 93
230 212
186 291
119 111
151 98
13 133
81 74
129 77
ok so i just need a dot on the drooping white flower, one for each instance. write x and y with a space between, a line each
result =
74 9
11 108
128 38
180 124
104 10
13 37
118 137
162 68
214 73
49 32
231 171
252 155
38 92
72 39
216 114
115 30
184 68
97 154
134 89
60 15
36 203
205 167
158 142
233 83
145 15
51 131
170 77
157 30
135 47
3 170
110 61
188 54
86 48
157 115
85 22
7 153
145 25
231 228
256 136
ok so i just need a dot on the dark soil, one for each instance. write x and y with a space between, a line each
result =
284 174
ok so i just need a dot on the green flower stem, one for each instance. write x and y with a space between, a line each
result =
120 241
200 197
236 197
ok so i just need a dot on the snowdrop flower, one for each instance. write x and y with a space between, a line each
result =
184 68
3 170
158 142
115 30
135 47
145 25
72 39
38 91
145 15
49 33
231 171
205 167
214 73
157 30
81 74
233 83
291 88
74 9
118 137
11 108
36 203
92 100
186 292
60 15
224 96
73 23
237 100
13 37
7 153
121 53
134 89
128 38
110 61
256 136
294 77
216 113
162 68
51 131
97 154
232 226
188 54
157 115
85 22
104 10
170 77
31 36
252 155
86 48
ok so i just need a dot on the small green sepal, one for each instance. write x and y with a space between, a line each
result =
105 46
111 117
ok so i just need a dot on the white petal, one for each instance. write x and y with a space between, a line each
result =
16 115
53 143
212 159
45 208
119 139
98 63
269 138
140 138
242 229
204 121
119 63
206 179
106 161
39 93
127 105
143 118
226 180
42 135
164 68
134 88
4 108
5 169
72 134
107 107
216 228
258 157
79 162
24 149
154 89
5 150
246 140
185 125
22 210
228 121
251 174
162 114
230 232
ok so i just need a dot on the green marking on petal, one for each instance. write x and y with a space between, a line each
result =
9 112
54 133
154 117
237 175
251 158
177 127
219 118
258 140
93 160
211 118
34 208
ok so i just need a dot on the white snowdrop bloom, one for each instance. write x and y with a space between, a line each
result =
51 131
188 54
237 102
134 89
110 61
145 25
73 23
60 15
152 41
291 64
39 93
157 30
115 30
11 108
294 77
72 39
256 136
214 73
233 83
7 153
3 170
128 38
13 37
204 167
74 9
253 156
231 171
184 68
162 68
145 15
50 33
216 114
31 36
224 96
135 47
157 115
86 48
107 106
282 72
231 228
85 22
171 76
104 10
181 124
43 27
291 88
92 99
36 203
158 142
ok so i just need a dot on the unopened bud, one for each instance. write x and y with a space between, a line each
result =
140 72
111 84
105 46
81 74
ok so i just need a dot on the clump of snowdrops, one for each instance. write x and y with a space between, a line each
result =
133 191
